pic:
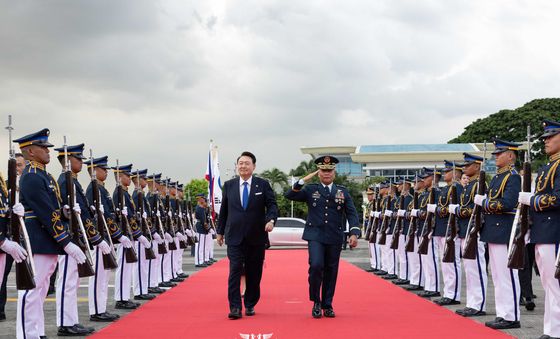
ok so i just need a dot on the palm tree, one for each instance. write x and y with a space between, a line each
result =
304 167
277 179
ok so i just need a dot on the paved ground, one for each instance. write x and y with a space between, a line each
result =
531 321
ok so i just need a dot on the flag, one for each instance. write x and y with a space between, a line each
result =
210 178
217 183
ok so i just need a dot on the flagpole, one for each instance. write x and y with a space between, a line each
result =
292 202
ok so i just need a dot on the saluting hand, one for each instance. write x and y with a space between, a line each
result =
310 176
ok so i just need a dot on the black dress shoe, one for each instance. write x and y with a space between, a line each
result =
413 288
177 280
102 317
249 311
544 336
390 276
470 312
208 263
529 305
114 315
71 331
201 265
316 311
429 294
328 312
167 284
401 282
87 328
381 272
144 297
503 324
125 305
234 313
155 290
183 275
43 337
446 301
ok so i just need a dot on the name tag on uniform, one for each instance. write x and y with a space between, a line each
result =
258 193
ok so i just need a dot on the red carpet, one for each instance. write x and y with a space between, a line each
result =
366 307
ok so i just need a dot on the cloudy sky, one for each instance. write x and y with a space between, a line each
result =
151 82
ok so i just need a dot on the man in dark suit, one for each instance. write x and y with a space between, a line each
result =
247 213
328 204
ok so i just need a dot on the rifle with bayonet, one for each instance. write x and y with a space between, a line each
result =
428 227
386 221
149 251
413 224
169 227
130 253
189 217
25 270
520 227
77 230
399 223
375 220
470 249
110 259
182 243
451 231
162 247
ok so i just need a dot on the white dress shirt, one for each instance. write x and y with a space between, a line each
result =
241 181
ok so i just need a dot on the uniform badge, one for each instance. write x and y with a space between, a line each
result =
316 195
339 197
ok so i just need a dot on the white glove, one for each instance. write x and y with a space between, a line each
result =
453 209
179 235
125 242
189 233
145 215
401 213
158 214
93 209
372 214
125 211
75 252
388 213
431 208
18 209
212 231
169 214
181 215
525 198
66 211
77 208
144 241
104 247
377 214
414 212
168 237
157 238
479 199
14 249
101 208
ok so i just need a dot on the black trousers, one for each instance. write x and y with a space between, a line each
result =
526 274
245 259
3 283
323 271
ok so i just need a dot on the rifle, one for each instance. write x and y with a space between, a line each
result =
470 249
409 246
451 231
428 227
162 248
78 231
25 270
399 223
386 221
189 217
109 260
557 273
130 253
375 221
180 224
516 254
168 220
149 251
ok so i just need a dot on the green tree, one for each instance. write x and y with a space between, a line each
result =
304 167
512 125
277 179
194 187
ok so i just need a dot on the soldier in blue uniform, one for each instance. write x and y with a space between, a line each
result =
544 205
68 280
451 272
99 283
498 205
475 269
414 258
384 196
389 254
374 253
202 227
47 228
404 269
154 203
327 203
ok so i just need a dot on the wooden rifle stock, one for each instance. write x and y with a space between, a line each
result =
130 253
520 227
385 222
169 223
470 249
375 220
149 251
427 229
109 260
398 224
411 236
451 231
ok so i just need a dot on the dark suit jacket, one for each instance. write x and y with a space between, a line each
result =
238 224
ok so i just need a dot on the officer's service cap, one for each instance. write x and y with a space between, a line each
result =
550 128
100 162
76 151
472 159
40 138
503 146
384 185
326 162
154 177
142 173
430 171
201 195
370 190
125 169
450 165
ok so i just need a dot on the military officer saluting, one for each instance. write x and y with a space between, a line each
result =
327 203
47 228
498 206
544 205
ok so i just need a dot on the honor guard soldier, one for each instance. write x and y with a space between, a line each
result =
414 258
99 283
498 206
123 274
140 275
202 227
404 269
544 205
71 158
154 271
327 203
384 188
475 269
374 254
180 215
47 228
389 254
165 261
451 271
179 236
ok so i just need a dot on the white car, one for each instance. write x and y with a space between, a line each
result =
287 232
